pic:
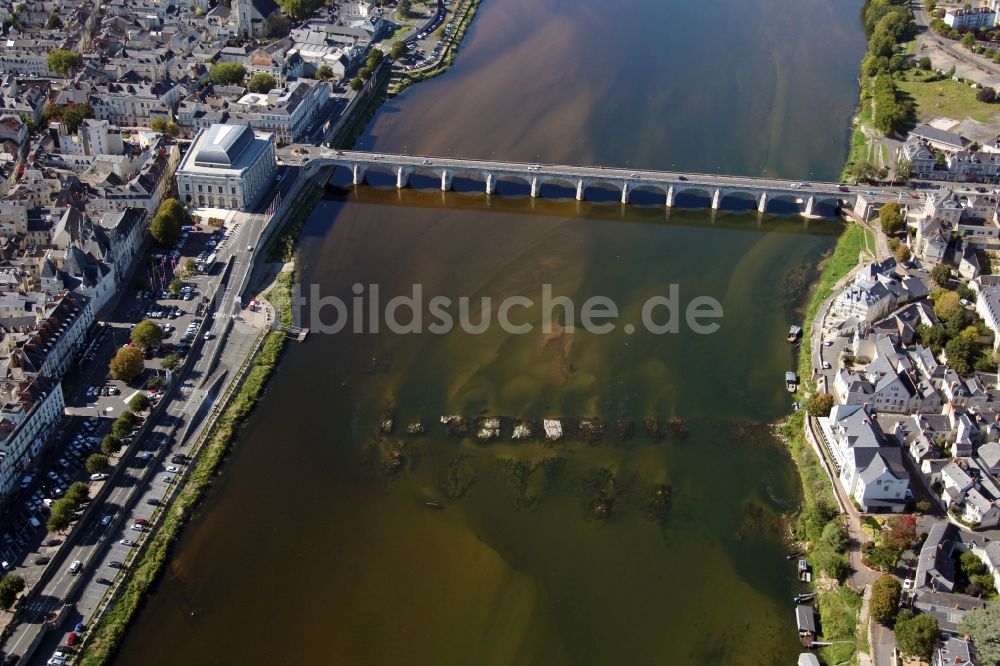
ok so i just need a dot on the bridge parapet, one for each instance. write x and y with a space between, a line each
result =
535 176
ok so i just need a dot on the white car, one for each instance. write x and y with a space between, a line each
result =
173 468
137 528
826 365
98 477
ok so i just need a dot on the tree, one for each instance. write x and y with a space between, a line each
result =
227 74
891 218
925 63
399 49
78 493
968 40
62 61
375 56
11 586
835 536
171 362
139 402
903 169
941 275
147 335
885 598
190 267
110 445
262 82
175 286
819 404
903 254
405 7
127 364
324 72
356 84
54 22
166 225
96 463
300 9
60 515
365 73
916 635
960 352
987 95
947 305
983 625
74 114
902 531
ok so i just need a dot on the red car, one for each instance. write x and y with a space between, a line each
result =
142 521
72 638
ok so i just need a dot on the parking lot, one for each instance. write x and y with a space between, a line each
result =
94 399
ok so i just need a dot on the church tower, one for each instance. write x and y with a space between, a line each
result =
242 18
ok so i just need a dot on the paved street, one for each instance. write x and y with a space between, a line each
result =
945 54
145 472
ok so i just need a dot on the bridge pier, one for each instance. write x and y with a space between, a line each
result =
359 174
670 197
535 185
402 178
762 203
716 199
491 184
579 190
809 207
445 181
625 192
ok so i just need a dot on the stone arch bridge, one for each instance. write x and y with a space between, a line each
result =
670 185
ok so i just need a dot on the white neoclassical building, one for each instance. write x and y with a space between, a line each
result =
227 166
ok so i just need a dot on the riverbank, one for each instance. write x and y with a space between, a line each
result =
462 17
102 641
818 515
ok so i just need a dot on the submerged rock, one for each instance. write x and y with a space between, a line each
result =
385 425
679 427
553 429
415 428
654 429
658 503
624 430
457 425
592 430
489 428
524 430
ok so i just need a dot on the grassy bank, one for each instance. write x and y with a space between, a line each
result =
934 96
144 571
283 246
818 510
463 16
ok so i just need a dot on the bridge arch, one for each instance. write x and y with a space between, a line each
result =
380 176
513 185
648 194
602 191
468 182
826 205
739 201
557 187
425 178
693 196
784 203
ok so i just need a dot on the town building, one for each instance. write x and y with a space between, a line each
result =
230 166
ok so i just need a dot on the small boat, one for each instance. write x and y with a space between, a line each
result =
791 381
433 505
794 333
804 597
792 556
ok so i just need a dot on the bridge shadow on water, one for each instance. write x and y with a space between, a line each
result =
559 199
